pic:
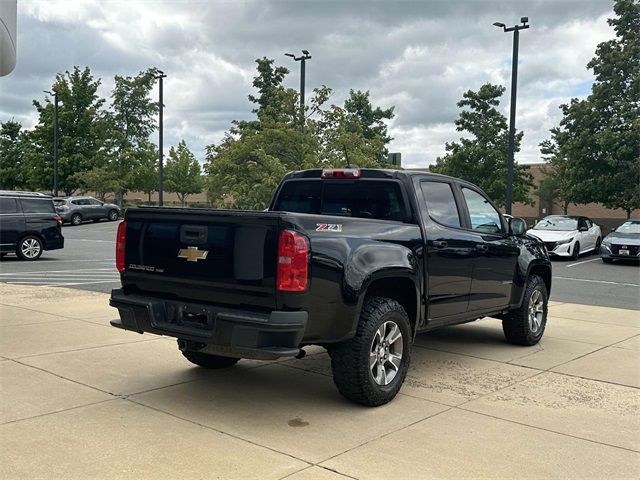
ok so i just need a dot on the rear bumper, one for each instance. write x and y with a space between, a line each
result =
211 329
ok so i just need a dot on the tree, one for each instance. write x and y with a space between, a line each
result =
183 175
597 143
245 168
354 133
99 180
145 175
481 156
81 133
131 121
11 156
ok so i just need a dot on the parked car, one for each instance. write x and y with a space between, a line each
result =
623 242
29 225
75 210
567 236
354 260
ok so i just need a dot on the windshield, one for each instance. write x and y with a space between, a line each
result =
379 199
629 227
559 224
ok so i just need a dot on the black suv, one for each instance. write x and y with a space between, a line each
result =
29 224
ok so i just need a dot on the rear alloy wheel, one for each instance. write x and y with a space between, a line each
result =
206 360
370 368
113 215
576 251
76 219
29 248
525 326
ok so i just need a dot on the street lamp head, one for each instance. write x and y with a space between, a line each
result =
290 55
306 52
499 24
524 19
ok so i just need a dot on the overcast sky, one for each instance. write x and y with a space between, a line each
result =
417 55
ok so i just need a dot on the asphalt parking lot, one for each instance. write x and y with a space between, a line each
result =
88 263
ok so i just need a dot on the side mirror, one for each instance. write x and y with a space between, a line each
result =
517 226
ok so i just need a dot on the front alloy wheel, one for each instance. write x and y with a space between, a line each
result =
525 325
30 248
536 311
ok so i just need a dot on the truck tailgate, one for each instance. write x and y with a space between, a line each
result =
214 256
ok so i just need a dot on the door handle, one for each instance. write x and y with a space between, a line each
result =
482 247
440 243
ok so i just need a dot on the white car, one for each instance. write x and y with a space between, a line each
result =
567 236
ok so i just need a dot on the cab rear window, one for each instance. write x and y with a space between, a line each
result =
377 199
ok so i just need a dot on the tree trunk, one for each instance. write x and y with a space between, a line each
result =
565 207
119 194
628 210
149 197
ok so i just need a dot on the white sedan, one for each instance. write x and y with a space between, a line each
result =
567 236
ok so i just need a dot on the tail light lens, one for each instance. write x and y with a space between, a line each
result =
58 219
121 240
293 262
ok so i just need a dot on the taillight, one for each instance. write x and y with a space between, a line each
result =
58 219
293 262
121 240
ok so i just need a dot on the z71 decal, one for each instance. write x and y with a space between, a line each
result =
328 227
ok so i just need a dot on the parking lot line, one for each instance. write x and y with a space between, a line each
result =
585 261
597 281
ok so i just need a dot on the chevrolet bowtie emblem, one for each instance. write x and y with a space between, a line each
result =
192 254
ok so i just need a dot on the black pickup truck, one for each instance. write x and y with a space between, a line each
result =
356 260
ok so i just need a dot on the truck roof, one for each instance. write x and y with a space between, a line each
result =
368 173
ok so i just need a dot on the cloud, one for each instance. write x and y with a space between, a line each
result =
419 56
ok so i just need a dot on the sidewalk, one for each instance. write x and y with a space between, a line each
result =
80 399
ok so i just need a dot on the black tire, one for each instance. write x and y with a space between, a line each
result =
517 326
113 215
607 260
29 248
598 242
76 219
350 360
576 251
206 360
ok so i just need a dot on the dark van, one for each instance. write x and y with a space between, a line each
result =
29 225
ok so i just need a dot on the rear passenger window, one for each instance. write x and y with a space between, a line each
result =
33 205
8 205
441 204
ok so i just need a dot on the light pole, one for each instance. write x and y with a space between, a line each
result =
512 115
54 94
302 59
160 76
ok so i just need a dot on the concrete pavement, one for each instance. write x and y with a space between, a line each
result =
80 399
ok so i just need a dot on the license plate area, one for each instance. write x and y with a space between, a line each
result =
190 316
623 252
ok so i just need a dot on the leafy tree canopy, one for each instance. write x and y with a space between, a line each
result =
244 169
11 156
480 157
595 151
183 175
